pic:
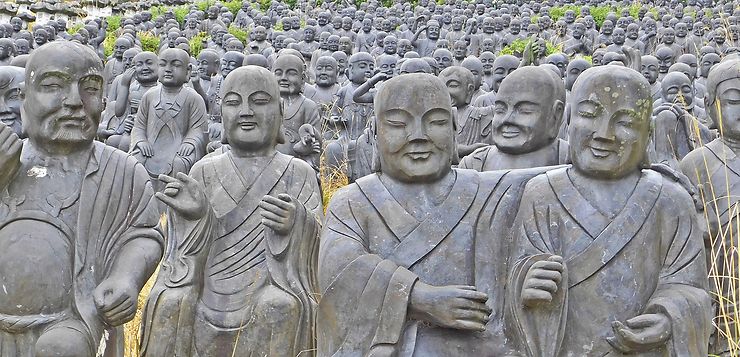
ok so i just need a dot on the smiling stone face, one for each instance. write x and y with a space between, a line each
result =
610 121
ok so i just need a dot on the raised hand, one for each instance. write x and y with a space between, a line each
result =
641 333
116 301
278 213
185 195
542 281
146 149
127 76
10 153
454 306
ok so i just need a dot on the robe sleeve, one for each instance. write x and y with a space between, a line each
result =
197 126
292 259
351 276
138 132
537 331
681 292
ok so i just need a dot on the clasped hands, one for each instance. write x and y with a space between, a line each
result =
638 334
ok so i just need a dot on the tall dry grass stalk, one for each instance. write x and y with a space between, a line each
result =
722 252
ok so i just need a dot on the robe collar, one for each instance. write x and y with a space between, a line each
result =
417 239
610 235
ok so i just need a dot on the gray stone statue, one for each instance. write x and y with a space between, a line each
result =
78 224
170 128
12 80
399 273
714 171
473 124
527 116
239 276
609 256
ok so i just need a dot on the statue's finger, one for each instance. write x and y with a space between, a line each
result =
469 325
185 178
168 200
536 295
277 201
641 321
126 305
543 284
271 216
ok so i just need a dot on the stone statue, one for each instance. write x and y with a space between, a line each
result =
349 118
76 217
12 83
290 70
170 128
115 65
677 129
527 116
129 95
605 228
713 169
399 274
502 67
240 278
473 124
325 89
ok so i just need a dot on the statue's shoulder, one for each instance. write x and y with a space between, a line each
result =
476 160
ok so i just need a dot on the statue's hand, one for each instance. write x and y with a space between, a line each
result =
128 124
116 301
641 333
453 306
278 213
146 149
185 195
127 76
542 280
185 149
10 152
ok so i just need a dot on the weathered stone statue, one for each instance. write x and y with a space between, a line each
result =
677 130
527 116
298 110
348 117
76 217
325 89
399 273
115 65
610 258
11 97
502 67
713 169
239 277
170 128
473 124
129 94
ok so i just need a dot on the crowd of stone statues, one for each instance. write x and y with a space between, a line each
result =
518 186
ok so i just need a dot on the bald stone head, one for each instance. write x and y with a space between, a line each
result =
528 110
251 111
460 83
414 117
64 96
611 108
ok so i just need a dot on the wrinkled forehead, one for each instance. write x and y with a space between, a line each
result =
68 60
11 78
423 93
612 92
246 81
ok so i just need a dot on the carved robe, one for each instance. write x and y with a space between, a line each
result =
68 247
649 258
372 252
166 127
229 284
298 112
715 170
473 125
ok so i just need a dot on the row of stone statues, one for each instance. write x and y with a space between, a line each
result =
597 219
604 256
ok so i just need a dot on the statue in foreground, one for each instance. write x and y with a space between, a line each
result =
610 257
715 170
405 265
78 226
239 273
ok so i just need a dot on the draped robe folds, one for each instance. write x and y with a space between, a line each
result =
219 271
373 251
715 170
115 208
166 128
473 125
296 113
649 258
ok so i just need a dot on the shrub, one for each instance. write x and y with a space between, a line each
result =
239 33
149 42
196 43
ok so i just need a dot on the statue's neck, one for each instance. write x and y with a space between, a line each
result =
732 143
